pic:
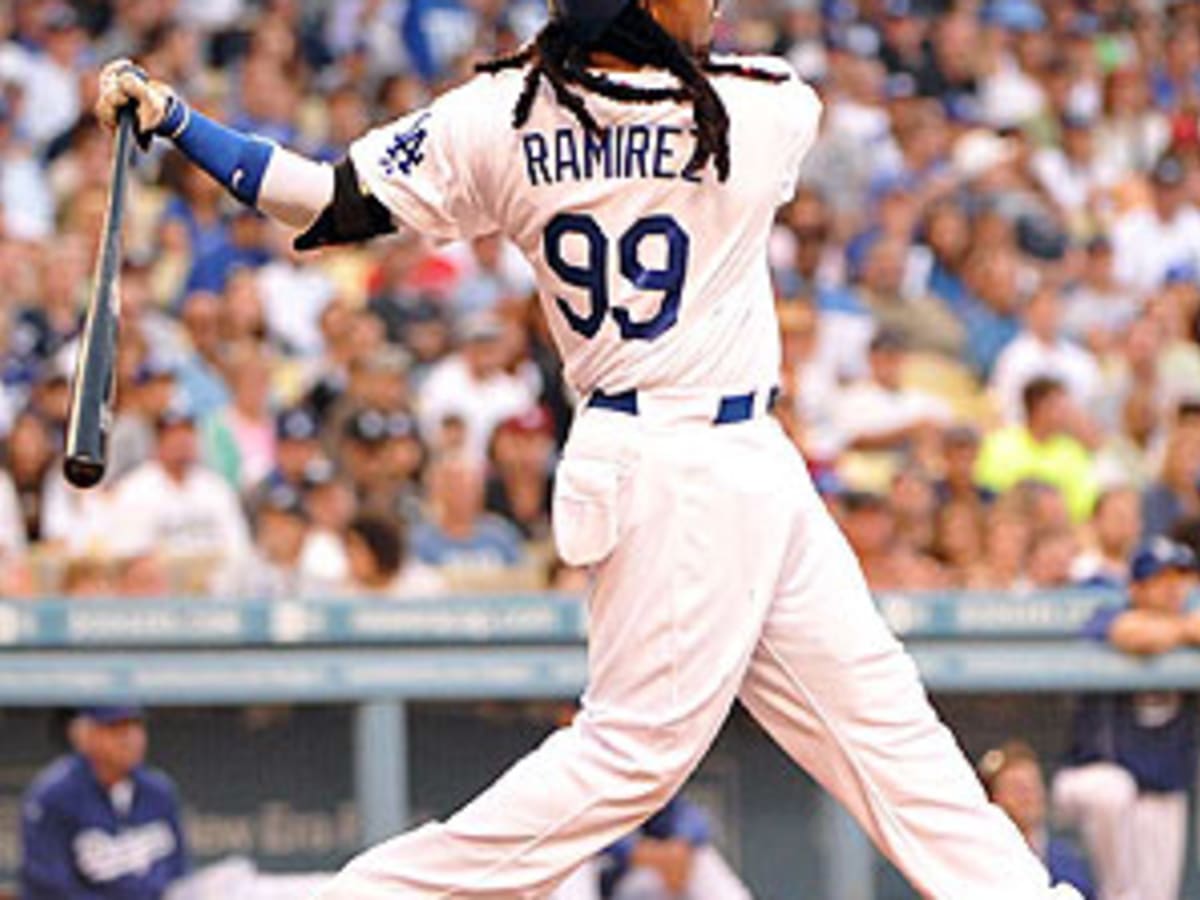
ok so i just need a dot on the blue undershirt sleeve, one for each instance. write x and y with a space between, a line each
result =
238 161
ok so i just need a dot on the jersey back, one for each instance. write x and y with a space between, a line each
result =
649 276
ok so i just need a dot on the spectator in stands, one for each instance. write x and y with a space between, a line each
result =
1043 449
131 441
1133 756
379 564
960 454
272 569
1040 350
31 453
1176 493
474 385
13 540
296 448
670 856
177 505
383 455
100 823
1098 309
455 530
200 372
519 484
879 414
914 505
988 308
1012 776
330 505
1050 556
1148 241
1113 534
239 440
922 322
889 564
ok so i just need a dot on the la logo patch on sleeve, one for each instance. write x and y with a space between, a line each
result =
406 151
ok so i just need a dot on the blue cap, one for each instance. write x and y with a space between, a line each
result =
107 715
298 424
587 19
1160 555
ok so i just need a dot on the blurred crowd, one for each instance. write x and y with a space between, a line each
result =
988 287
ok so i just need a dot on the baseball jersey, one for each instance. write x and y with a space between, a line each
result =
82 842
650 277
1151 734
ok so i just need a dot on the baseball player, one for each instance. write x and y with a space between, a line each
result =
1133 756
640 177
98 824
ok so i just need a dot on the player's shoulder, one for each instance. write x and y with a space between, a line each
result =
484 97
57 783
155 782
771 85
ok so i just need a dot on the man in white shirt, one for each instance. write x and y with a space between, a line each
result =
1040 351
473 386
879 413
1151 241
180 507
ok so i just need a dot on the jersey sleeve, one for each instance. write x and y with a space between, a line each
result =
422 168
801 110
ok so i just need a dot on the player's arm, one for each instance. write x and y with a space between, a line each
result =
326 200
1146 632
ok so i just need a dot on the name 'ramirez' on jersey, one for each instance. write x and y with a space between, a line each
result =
678 298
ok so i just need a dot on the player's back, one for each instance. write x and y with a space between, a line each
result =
650 277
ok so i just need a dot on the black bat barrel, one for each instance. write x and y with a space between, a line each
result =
94 388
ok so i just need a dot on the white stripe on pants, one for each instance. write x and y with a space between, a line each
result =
729 579
1137 842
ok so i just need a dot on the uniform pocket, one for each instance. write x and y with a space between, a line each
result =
586 497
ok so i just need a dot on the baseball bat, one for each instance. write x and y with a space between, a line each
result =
94 388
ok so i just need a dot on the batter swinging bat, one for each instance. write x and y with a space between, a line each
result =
94 388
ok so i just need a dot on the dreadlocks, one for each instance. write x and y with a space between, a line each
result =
558 58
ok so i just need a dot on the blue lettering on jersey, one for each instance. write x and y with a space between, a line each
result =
567 156
406 152
622 152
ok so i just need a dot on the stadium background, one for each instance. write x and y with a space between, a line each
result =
1002 190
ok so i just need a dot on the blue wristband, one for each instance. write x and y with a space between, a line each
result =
238 161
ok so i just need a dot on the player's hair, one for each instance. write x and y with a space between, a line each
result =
557 56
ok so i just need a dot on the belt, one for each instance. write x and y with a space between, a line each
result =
729 409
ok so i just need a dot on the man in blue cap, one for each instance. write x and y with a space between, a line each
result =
1133 756
99 824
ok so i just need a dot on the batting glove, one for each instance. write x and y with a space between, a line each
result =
123 83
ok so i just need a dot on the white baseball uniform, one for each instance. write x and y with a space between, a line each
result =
719 574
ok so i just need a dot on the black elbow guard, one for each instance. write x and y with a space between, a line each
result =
352 217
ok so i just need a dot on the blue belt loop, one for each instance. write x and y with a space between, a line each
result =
736 408
624 402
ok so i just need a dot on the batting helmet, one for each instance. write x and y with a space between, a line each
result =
587 19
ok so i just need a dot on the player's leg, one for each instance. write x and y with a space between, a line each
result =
675 616
1099 801
838 693
1160 838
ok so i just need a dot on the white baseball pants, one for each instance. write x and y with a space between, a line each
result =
720 576
1137 842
